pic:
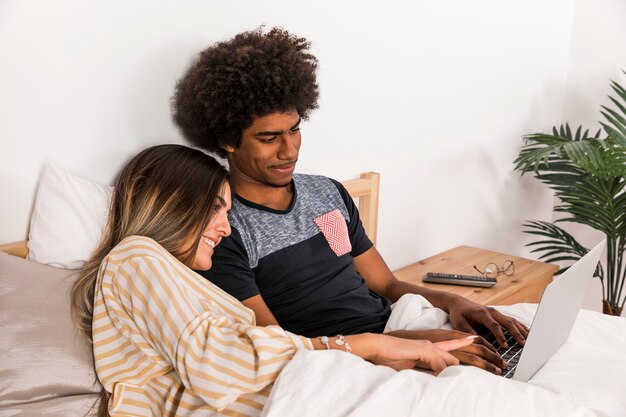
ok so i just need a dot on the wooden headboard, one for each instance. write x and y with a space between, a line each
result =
17 249
365 189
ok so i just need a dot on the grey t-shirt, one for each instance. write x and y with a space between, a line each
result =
301 261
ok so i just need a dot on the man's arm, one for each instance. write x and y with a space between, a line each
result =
465 315
264 316
231 272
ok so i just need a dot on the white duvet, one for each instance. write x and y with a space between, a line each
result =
586 377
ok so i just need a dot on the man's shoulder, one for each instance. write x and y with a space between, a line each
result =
309 177
307 183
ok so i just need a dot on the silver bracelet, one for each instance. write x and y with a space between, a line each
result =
324 341
341 341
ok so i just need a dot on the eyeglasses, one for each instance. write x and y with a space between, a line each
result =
492 270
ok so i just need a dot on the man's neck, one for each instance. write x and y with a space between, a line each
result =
277 198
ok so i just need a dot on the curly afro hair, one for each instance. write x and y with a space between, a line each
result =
252 75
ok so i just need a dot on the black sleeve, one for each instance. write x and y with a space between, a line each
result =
358 238
231 268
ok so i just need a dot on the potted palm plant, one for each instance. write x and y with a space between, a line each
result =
588 176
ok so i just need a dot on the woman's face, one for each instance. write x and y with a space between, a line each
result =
217 228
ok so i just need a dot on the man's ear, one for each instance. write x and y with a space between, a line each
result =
228 148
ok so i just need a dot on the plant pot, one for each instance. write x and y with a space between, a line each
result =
608 309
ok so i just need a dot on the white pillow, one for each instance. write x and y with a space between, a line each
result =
68 219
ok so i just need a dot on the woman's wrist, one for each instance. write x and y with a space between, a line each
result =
362 345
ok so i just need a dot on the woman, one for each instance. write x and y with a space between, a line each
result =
165 340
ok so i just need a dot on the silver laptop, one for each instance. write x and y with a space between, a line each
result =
554 319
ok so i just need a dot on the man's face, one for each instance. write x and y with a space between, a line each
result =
269 150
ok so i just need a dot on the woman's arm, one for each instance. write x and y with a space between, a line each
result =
150 305
170 318
399 353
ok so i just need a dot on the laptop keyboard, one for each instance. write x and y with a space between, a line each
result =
510 355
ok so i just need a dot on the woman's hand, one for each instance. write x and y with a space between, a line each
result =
399 353
480 353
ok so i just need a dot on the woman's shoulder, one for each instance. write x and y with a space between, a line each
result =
139 255
133 247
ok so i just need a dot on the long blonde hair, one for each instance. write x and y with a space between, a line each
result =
167 193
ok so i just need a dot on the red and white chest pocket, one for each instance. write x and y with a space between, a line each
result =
333 227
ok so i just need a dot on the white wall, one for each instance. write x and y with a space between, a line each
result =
598 55
433 95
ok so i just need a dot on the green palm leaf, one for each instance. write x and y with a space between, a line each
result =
557 244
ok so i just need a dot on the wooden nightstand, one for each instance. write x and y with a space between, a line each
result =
525 286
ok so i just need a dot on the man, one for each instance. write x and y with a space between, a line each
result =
244 99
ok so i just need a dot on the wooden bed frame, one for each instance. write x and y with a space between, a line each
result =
364 188
16 248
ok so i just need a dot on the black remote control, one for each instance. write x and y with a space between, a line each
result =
456 279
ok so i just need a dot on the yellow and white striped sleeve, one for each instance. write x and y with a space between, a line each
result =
217 356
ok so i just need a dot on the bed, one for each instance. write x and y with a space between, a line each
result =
586 377
46 370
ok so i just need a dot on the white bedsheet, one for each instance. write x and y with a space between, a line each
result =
586 377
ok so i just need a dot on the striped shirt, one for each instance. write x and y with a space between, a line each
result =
168 342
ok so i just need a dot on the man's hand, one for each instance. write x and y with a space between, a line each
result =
480 353
466 316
